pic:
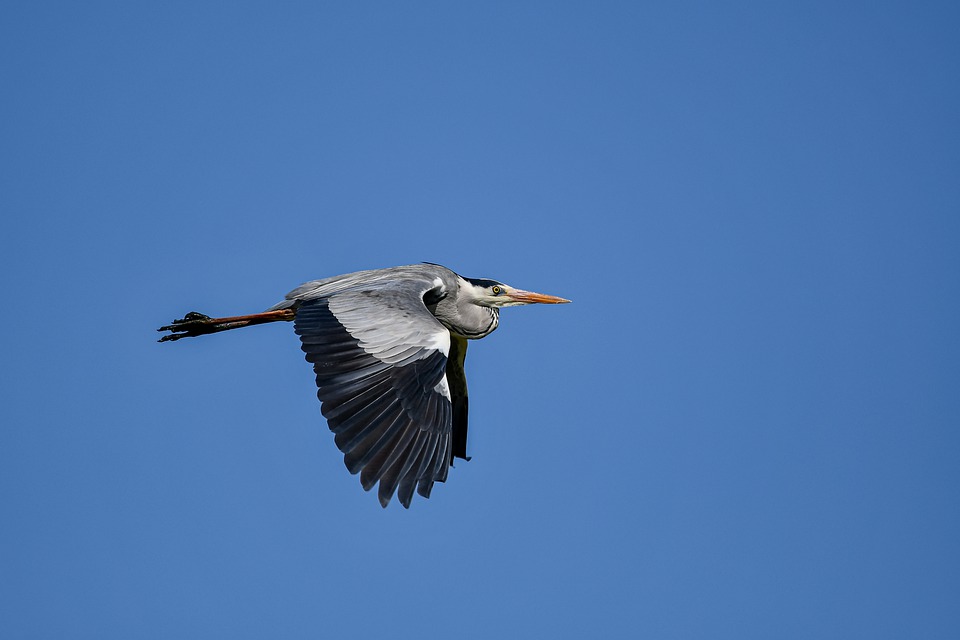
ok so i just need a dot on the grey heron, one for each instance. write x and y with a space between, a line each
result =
387 347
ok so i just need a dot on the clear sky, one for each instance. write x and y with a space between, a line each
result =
746 425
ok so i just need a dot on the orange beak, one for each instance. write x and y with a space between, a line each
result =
529 297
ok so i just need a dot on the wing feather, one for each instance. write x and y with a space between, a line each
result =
377 464
355 425
381 360
458 395
368 444
409 482
401 456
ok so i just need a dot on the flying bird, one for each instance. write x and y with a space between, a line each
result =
387 347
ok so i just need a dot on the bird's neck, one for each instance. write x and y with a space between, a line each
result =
464 317
476 322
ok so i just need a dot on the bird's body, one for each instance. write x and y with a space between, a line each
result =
393 287
387 347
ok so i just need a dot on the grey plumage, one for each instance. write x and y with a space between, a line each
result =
387 348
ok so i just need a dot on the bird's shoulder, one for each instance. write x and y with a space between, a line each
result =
390 284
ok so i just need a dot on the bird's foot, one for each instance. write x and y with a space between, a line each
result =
190 325
197 324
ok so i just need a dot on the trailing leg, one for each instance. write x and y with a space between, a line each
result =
197 324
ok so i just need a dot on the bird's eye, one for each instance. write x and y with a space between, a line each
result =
496 290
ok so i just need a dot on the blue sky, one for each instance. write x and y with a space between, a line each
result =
747 424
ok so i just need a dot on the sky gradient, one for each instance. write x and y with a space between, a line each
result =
746 424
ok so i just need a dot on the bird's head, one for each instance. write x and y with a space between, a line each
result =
490 293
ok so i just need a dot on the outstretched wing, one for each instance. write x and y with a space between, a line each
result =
380 358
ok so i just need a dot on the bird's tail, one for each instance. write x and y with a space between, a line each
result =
197 324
